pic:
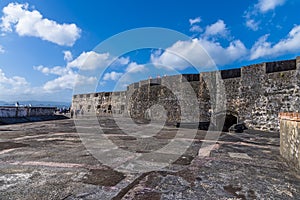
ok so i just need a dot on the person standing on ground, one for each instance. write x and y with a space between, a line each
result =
72 113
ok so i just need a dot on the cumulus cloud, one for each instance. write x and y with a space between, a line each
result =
10 86
133 67
176 56
121 61
57 70
68 81
201 53
16 80
235 51
68 76
91 60
17 17
112 76
290 44
133 72
68 56
216 29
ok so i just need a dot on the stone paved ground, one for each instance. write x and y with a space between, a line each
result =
47 160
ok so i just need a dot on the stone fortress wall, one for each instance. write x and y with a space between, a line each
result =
255 95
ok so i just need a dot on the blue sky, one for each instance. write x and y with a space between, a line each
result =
46 45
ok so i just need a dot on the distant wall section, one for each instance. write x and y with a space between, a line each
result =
7 111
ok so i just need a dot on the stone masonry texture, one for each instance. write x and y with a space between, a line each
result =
254 94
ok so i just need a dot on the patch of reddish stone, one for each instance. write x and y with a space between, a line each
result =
292 116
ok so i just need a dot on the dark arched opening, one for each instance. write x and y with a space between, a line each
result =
229 121
109 108
228 118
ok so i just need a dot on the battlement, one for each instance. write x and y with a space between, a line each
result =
231 73
279 66
256 92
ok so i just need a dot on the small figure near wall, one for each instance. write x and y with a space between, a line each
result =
72 113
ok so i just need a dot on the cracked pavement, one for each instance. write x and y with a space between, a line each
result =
47 160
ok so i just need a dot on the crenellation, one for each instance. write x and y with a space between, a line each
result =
279 66
231 73
255 93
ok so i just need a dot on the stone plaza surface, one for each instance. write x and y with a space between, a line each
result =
47 160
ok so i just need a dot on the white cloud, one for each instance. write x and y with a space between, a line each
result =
16 80
252 15
2 49
57 70
68 56
112 76
122 61
252 24
195 21
235 51
11 86
133 72
17 17
68 76
133 67
218 28
267 5
195 51
194 27
91 60
290 44
68 81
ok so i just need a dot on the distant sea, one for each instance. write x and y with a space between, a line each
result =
38 103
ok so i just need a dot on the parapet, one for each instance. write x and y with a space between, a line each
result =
12 111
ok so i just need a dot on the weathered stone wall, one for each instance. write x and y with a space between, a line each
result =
232 91
155 92
9 111
263 95
255 94
250 92
96 102
290 139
